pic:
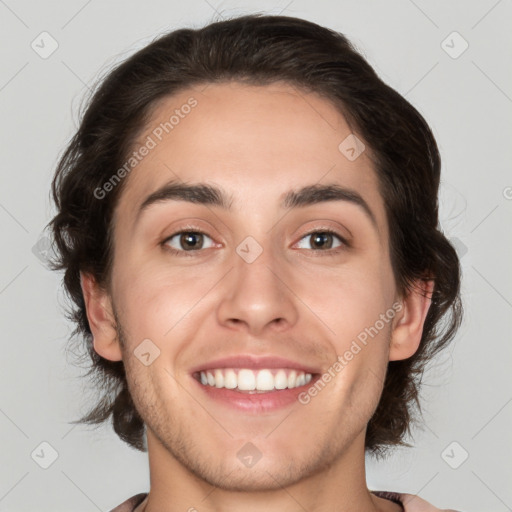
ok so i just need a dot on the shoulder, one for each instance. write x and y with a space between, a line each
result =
410 502
130 504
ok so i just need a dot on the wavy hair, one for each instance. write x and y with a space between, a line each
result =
258 50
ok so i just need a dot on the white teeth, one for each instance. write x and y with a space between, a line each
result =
230 380
264 380
219 379
246 380
292 378
254 380
281 380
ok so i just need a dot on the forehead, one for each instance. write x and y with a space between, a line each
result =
256 142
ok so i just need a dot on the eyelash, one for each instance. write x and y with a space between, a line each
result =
329 252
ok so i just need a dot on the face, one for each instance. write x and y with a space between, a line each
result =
254 282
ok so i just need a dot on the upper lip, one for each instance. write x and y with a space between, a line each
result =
254 362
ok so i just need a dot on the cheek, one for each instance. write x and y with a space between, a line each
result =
356 306
143 299
361 370
156 301
350 301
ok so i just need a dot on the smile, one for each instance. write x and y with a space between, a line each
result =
262 380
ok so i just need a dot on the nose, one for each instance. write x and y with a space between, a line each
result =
257 296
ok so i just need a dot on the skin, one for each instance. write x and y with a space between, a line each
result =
294 301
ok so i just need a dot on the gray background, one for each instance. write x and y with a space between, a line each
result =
467 100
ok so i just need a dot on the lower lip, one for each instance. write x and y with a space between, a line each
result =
256 402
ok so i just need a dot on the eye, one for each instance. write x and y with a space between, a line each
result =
322 240
188 241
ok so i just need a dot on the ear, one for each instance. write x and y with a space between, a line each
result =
101 319
409 321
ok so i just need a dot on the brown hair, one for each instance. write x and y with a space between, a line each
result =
259 49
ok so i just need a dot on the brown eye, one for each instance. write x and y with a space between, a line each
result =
321 241
189 241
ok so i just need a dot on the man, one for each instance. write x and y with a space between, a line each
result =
247 218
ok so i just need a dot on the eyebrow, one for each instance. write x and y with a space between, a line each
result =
211 195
